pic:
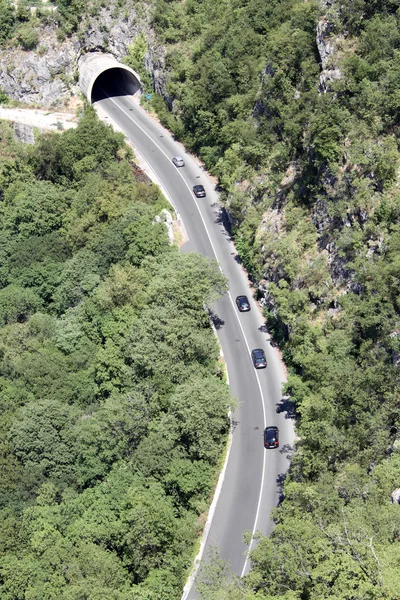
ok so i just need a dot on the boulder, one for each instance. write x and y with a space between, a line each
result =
396 496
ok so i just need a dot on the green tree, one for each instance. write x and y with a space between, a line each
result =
7 20
17 304
43 441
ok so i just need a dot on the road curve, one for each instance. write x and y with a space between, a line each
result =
251 483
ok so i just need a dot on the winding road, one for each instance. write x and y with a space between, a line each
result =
251 483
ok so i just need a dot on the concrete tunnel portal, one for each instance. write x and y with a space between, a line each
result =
102 76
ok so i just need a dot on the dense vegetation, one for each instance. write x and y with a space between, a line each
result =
112 400
311 178
20 22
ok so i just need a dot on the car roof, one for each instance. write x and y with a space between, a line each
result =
178 157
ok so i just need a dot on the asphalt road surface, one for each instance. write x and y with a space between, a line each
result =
251 486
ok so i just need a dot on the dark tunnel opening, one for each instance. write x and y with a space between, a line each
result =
114 82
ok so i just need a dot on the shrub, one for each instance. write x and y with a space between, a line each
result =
28 37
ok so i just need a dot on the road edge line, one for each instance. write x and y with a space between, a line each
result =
197 560
105 118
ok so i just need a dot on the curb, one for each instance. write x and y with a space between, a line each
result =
196 563
144 165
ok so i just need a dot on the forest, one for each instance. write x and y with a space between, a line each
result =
310 171
113 400
106 469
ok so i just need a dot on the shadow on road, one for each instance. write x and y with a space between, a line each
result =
221 218
280 482
288 450
216 320
286 406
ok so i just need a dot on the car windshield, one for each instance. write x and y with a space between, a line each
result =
179 159
259 355
198 188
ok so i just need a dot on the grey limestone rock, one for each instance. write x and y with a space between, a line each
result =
47 75
24 133
326 44
396 496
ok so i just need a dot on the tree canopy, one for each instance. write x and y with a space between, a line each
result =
114 409
307 153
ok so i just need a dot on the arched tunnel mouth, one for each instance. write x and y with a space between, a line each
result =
114 82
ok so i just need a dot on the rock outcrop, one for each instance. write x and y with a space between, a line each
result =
396 496
327 48
48 75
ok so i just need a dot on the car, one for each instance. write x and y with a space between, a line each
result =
178 161
199 191
258 358
271 437
243 303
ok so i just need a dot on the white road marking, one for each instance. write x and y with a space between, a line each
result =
237 316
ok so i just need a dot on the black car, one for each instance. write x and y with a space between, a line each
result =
271 437
243 303
258 358
199 191
178 161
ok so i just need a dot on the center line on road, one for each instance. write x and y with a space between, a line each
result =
235 312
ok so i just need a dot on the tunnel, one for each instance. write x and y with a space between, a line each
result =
102 76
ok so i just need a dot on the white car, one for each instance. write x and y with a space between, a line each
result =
178 161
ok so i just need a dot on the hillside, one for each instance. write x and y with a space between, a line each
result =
295 106
107 358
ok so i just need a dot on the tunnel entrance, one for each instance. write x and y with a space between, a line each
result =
114 82
102 76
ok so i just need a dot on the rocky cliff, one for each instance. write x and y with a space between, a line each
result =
47 75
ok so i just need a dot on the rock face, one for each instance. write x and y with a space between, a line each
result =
24 133
396 496
48 75
38 77
166 218
327 48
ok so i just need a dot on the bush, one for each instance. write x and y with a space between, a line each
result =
3 97
28 37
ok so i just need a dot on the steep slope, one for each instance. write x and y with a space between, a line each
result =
295 106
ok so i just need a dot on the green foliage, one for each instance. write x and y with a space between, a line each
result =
69 15
107 457
3 97
70 157
17 304
310 169
28 37
7 20
135 58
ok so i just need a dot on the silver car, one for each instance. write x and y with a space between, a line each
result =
178 161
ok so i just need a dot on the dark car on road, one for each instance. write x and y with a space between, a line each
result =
243 303
271 437
178 161
199 191
258 358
